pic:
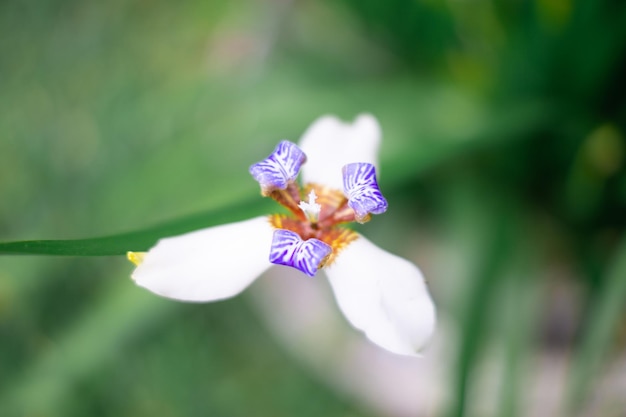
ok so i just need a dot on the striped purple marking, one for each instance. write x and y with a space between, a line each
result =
361 189
289 249
280 168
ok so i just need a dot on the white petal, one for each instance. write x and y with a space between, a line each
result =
383 295
208 264
329 144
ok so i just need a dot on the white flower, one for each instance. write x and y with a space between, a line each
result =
380 294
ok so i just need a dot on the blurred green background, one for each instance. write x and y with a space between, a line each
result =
503 154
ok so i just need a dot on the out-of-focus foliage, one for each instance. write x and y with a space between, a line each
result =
503 125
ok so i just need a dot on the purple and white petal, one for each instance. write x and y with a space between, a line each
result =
384 296
290 250
208 264
330 143
361 189
280 168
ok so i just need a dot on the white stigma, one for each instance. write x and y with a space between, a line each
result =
311 209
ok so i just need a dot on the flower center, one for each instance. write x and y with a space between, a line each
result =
313 235
330 209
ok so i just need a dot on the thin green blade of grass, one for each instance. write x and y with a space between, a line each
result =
519 316
605 316
489 236
140 240
474 328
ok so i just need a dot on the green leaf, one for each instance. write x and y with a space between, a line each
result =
140 240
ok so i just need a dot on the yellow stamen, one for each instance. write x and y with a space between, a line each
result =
135 257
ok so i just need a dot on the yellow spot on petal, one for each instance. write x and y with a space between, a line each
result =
338 238
135 257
